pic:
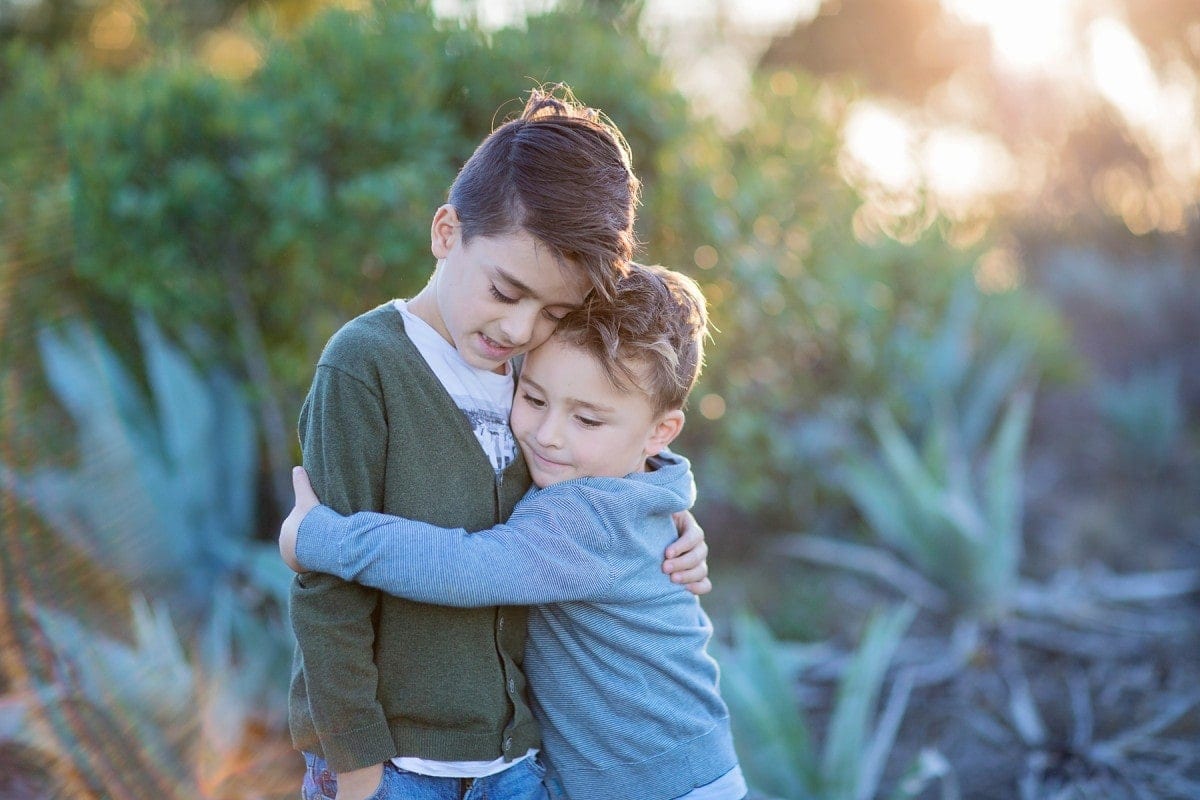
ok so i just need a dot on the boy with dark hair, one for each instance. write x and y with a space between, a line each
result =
408 415
622 686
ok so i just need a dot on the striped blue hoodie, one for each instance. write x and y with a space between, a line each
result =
623 688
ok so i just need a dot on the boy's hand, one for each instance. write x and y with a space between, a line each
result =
687 556
358 784
306 500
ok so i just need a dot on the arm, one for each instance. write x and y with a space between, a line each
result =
341 427
550 552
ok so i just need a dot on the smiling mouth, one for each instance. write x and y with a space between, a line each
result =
539 457
494 346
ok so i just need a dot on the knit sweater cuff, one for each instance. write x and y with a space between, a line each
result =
360 748
318 542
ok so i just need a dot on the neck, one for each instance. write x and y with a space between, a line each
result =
425 308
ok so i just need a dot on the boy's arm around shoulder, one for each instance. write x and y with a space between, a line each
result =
343 432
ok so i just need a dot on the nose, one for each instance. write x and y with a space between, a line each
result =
548 431
518 325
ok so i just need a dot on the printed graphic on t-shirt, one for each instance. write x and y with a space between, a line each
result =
492 431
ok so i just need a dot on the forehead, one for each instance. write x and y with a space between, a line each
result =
528 264
574 374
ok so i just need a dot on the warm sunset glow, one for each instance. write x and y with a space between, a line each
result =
1161 109
1122 71
1028 35
879 146
962 165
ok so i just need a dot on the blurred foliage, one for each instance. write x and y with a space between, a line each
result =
955 512
826 307
270 208
162 489
161 496
1147 414
953 506
775 740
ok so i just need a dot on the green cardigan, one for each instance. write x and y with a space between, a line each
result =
375 676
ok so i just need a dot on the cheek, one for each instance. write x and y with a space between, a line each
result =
518 420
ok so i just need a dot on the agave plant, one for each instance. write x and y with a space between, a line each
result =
161 495
938 478
153 717
774 740
953 514
162 492
1146 412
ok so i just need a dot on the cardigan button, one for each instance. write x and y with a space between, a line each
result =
512 686
508 744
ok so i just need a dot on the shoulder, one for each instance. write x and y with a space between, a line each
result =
373 348
613 505
365 337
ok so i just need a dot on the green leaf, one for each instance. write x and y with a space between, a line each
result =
851 726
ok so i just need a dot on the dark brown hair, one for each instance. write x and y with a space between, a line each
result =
649 335
562 173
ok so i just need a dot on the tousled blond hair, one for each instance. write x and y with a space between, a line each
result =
649 334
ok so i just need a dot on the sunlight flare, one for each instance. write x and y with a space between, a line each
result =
879 145
1122 71
1028 35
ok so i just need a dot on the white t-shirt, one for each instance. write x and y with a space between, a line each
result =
730 786
486 399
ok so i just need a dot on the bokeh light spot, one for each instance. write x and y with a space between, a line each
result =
724 186
113 28
997 271
767 230
230 54
1122 71
706 256
783 83
879 147
712 406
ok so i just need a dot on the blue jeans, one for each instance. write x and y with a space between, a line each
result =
522 781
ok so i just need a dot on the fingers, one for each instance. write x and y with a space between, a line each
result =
287 539
691 536
687 561
700 587
306 498
691 572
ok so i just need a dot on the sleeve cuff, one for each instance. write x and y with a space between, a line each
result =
318 541
360 748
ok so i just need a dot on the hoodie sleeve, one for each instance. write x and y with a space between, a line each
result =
555 548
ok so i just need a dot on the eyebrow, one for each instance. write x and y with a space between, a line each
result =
575 401
525 288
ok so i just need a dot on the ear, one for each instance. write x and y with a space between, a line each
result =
665 429
444 232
